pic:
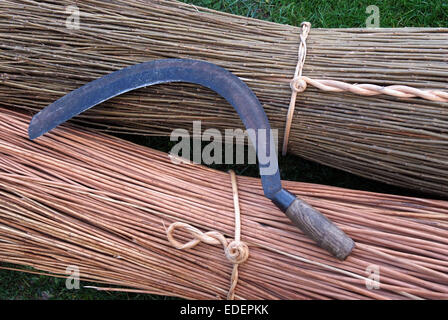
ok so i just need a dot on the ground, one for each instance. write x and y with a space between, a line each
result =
322 14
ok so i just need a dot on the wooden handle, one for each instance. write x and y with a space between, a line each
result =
327 235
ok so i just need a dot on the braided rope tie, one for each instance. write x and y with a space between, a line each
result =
299 84
236 251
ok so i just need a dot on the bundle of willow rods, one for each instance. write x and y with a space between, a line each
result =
78 198
397 141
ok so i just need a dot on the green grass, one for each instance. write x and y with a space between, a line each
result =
322 14
337 14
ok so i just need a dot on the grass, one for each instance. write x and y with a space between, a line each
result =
335 13
322 14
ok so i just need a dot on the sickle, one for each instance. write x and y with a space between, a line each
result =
237 93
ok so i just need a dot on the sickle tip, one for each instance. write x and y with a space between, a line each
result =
33 129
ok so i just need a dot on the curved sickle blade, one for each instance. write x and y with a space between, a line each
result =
313 223
229 86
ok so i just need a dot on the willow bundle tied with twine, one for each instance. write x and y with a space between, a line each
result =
45 54
78 198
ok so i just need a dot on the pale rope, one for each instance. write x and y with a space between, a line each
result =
236 251
297 80
299 84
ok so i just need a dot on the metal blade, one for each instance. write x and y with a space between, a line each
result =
229 86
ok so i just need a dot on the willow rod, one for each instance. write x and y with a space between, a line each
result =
397 141
76 197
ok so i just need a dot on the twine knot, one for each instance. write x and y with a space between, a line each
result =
236 251
298 84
